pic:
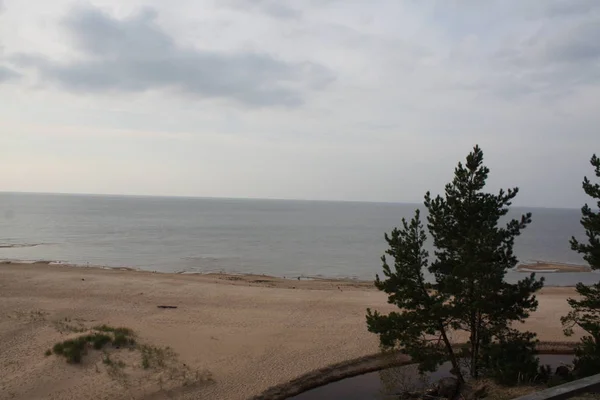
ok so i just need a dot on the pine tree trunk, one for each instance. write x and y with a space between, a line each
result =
477 344
452 356
473 363
474 346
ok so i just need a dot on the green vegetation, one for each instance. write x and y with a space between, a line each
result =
468 292
122 336
74 349
586 312
591 221
511 360
30 316
106 360
161 364
156 357
120 330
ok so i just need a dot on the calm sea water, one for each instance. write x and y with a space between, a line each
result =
281 238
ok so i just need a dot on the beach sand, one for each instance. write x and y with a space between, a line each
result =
248 333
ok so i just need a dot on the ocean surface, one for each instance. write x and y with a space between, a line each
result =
275 237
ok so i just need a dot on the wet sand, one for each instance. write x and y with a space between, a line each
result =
249 332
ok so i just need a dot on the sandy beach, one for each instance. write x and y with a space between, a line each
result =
234 336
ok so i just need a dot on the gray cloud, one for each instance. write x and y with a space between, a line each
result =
273 8
562 55
567 8
7 74
134 55
577 44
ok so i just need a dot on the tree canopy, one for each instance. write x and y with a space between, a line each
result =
586 311
465 291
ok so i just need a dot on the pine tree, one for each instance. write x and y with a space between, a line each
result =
423 325
473 255
468 292
590 221
586 312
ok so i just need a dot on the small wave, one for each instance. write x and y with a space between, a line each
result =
68 264
210 258
22 261
18 245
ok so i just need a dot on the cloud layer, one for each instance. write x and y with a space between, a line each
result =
313 99
134 54
7 74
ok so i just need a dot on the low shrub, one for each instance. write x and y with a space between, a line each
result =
511 359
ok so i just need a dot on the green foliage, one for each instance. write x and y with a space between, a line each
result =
468 292
590 220
545 374
587 357
74 349
424 319
98 340
122 340
117 331
48 353
156 357
511 359
586 311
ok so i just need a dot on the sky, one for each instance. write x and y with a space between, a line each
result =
298 99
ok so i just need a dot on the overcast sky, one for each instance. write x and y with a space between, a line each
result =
305 99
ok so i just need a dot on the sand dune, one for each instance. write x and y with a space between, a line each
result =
248 332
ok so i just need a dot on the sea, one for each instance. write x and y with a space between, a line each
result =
284 238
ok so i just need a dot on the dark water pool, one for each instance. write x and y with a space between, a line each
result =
379 385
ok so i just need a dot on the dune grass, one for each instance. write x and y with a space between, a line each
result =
74 349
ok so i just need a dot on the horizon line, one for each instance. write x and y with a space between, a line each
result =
247 198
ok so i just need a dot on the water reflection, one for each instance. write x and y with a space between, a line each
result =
381 384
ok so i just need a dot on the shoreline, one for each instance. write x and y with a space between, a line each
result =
247 279
542 267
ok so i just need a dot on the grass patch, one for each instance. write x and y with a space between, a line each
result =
74 349
98 340
158 366
156 357
122 340
115 368
106 360
120 331
166 370
31 316
122 336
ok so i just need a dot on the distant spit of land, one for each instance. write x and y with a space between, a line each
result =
544 266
